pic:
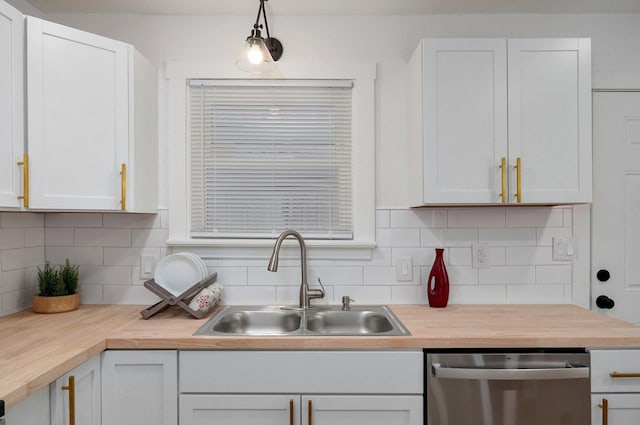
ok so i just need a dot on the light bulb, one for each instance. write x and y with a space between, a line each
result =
255 55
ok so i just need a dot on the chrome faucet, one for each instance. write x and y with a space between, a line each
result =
306 294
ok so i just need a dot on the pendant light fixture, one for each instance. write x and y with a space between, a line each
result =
259 54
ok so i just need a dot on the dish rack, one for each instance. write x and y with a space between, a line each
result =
168 299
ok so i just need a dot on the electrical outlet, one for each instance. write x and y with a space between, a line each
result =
404 269
480 255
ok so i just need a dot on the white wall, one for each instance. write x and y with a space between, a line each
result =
107 247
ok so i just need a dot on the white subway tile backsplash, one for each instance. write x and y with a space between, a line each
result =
12 238
149 238
507 275
401 238
382 219
107 246
476 217
102 237
82 256
58 236
478 294
535 217
20 220
441 238
529 255
419 218
560 274
131 221
508 237
13 259
73 220
532 294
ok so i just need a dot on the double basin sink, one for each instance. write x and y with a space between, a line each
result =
321 321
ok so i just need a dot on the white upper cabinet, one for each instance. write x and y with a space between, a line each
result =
496 121
92 144
11 104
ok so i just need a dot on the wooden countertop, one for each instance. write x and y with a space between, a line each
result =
36 349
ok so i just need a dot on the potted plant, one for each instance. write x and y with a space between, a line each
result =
58 289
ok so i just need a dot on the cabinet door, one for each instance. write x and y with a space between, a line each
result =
621 409
34 410
464 119
77 117
87 393
139 387
239 409
356 410
550 119
11 103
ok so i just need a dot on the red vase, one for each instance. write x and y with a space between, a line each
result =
438 282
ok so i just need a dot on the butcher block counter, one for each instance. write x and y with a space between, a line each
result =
36 349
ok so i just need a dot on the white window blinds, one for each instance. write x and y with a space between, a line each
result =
269 155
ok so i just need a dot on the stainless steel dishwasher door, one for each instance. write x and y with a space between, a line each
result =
508 389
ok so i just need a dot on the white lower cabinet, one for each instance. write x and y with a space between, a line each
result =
82 384
295 409
139 387
34 410
301 387
615 387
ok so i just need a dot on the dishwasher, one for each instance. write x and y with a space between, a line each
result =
545 387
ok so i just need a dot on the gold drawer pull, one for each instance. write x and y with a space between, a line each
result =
503 167
72 399
25 180
615 374
290 412
605 411
123 187
519 179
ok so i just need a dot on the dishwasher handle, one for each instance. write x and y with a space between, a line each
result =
444 372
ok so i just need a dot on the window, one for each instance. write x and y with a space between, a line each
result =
270 155
352 230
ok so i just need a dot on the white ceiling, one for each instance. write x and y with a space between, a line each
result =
337 7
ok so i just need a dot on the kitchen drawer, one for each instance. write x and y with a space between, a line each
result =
605 363
362 372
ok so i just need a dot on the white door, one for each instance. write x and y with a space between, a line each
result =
615 240
140 387
465 119
221 409
550 119
11 104
616 409
362 410
77 117
87 393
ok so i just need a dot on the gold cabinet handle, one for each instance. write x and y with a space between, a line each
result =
123 187
503 168
518 179
605 411
25 180
310 418
290 412
615 374
72 399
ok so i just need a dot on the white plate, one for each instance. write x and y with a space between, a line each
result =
200 261
178 272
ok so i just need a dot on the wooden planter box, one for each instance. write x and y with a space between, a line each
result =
56 304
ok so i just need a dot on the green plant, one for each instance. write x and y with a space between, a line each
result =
54 282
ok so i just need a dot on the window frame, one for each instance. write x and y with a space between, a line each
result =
363 76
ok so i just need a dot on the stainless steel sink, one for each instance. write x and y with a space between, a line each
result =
361 320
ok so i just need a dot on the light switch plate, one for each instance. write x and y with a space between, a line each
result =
564 249
404 269
148 262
